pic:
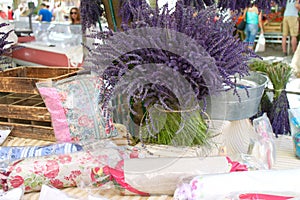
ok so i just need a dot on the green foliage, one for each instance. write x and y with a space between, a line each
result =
279 73
180 128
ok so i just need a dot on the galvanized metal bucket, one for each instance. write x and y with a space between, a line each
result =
229 106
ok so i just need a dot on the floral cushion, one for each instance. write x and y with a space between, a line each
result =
75 112
61 171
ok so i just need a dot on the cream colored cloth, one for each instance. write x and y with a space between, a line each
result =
296 60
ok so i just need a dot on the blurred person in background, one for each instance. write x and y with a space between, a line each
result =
19 12
44 14
75 15
10 13
58 13
253 18
290 24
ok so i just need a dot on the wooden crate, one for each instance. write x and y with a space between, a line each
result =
21 105
27 114
23 79
273 27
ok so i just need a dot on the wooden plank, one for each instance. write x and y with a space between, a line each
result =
19 85
48 72
25 112
13 72
31 131
272 27
24 79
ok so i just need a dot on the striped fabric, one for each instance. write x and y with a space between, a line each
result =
285 160
12 153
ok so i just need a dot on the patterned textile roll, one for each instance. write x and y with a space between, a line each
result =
10 154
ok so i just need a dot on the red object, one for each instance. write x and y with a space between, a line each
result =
41 57
118 176
24 39
236 166
254 196
10 15
240 19
3 15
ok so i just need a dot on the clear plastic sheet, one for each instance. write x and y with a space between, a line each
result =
264 147
232 185
13 194
4 132
73 120
51 193
60 35
64 170
161 175
99 166
294 118
260 196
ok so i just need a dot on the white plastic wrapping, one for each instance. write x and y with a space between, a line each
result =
13 194
4 132
263 148
261 43
161 175
222 186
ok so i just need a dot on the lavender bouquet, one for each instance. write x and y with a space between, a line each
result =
168 64
7 39
279 74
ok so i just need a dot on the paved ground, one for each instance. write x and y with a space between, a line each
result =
274 51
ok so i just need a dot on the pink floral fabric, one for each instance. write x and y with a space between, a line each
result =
61 171
58 115
75 111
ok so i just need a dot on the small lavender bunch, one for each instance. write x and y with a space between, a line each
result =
279 115
126 6
90 11
279 74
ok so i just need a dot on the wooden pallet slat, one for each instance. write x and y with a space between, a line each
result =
24 79
25 112
31 131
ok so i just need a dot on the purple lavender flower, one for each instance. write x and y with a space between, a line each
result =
227 55
173 59
90 11
126 7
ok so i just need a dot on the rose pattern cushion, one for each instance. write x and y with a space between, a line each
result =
60 171
75 111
